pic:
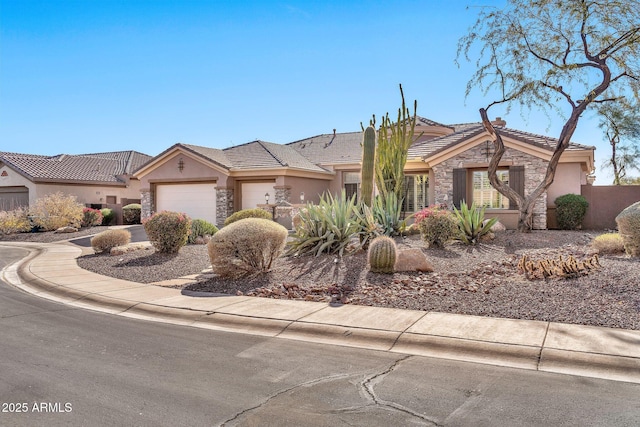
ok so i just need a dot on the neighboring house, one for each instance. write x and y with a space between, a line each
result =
446 164
97 180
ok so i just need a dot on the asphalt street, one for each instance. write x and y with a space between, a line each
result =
61 365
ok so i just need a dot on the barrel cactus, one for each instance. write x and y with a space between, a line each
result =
382 255
629 226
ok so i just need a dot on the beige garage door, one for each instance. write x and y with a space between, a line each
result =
253 193
196 200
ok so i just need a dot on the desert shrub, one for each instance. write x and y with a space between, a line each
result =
108 239
55 211
629 227
472 224
247 246
437 225
131 213
369 227
15 221
91 217
107 216
248 213
570 211
168 231
609 243
382 255
327 227
201 228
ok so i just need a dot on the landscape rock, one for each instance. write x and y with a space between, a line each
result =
66 230
498 227
413 259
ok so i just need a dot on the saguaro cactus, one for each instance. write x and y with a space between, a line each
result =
368 163
382 255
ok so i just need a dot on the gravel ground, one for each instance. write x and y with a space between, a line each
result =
51 237
482 281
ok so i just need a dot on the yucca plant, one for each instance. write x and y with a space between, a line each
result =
327 227
369 227
388 214
471 223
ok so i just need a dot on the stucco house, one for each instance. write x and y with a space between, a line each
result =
97 180
446 164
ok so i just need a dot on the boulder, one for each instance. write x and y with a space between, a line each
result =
498 227
66 230
413 259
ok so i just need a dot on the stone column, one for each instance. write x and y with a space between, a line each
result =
283 194
146 201
224 204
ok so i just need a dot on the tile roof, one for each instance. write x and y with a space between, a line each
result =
469 130
96 167
327 149
255 155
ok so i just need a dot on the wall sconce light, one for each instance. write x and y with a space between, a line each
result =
266 197
302 197
181 165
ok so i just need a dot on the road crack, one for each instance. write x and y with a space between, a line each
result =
368 386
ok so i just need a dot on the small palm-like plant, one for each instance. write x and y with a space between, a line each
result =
472 224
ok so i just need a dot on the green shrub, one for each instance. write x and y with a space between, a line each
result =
437 226
570 211
168 231
471 223
107 216
201 229
91 217
629 226
15 221
248 213
108 239
327 227
131 213
55 211
609 243
382 255
247 246
369 227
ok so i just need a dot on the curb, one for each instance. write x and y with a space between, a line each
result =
607 353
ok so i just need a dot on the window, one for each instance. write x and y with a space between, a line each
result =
485 195
416 193
351 184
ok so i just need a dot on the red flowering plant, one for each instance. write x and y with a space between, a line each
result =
168 231
91 217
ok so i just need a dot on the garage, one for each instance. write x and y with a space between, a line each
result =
13 198
253 193
198 200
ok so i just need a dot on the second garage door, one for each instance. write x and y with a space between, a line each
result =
253 193
196 200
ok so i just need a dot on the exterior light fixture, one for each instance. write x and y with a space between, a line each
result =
180 164
302 197
266 197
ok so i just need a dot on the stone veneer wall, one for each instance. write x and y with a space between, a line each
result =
283 194
146 201
534 171
224 204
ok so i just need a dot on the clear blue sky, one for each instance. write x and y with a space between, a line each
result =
107 75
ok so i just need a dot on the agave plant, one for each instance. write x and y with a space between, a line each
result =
327 227
388 213
369 227
472 224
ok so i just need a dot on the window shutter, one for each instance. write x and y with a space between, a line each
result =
459 186
516 182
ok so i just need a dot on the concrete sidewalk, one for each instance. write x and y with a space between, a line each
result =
51 271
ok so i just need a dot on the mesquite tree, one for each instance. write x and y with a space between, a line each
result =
621 123
557 56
